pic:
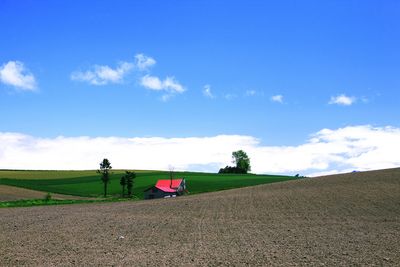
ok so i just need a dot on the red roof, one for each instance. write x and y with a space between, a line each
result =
166 186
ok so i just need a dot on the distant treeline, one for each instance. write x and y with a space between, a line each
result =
230 169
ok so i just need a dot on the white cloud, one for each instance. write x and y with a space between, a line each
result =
152 82
173 85
277 98
22 151
230 96
144 62
342 100
15 74
328 151
169 84
102 75
251 93
207 91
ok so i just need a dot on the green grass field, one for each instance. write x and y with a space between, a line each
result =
88 183
41 175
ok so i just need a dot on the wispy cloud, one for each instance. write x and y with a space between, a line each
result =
15 73
277 98
230 96
143 62
152 83
365 100
169 84
166 97
207 91
342 100
102 75
327 151
251 93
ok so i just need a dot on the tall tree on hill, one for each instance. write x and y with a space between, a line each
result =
105 167
129 176
241 160
123 183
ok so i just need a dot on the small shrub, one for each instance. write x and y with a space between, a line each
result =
47 197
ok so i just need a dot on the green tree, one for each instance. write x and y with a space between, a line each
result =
105 167
123 183
241 160
129 177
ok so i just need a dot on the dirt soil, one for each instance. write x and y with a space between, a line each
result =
10 193
342 220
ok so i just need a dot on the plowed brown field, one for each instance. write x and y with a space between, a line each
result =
342 220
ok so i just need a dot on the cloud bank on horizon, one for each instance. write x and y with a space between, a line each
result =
326 152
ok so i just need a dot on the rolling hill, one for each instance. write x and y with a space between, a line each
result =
88 183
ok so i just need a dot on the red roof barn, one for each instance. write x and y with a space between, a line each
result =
166 188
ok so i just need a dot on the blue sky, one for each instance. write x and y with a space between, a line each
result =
279 71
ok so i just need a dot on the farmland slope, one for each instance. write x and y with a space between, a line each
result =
88 183
341 220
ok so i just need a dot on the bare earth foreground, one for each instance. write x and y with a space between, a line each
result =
351 219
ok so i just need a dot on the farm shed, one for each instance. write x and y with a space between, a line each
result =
166 188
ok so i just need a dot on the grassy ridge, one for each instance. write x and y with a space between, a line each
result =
88 183
44 174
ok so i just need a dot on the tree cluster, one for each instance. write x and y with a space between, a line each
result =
242 162
126 180
230 169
